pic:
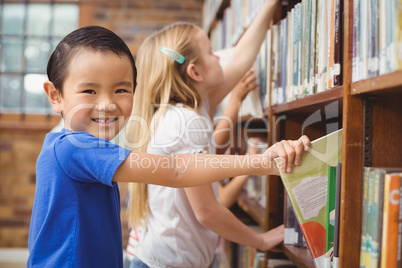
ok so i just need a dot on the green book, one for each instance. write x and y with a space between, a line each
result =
307 188
330 224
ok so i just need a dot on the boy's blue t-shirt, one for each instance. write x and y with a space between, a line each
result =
76 213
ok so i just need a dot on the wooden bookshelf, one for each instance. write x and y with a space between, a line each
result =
300 256
310 103
384 84
373 104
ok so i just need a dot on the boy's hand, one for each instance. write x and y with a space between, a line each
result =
288 151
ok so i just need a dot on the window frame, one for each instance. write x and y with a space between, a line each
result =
22 120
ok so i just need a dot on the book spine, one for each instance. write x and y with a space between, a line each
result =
280 61
275 44
363 40
376 216
370 206
268 69
330 222
374 39
382 36
284 34
356 42
289 45
307 46
398 29
296 49
390 221
337 213
289 222
363 234
331 43
291 52
300 51
399 248
313 33
338 43
317 46
390 44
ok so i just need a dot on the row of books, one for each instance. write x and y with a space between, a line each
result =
293 234
381 229
313 189
377 38
235 20
303 51
307 50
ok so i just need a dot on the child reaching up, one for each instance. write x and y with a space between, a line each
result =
76 213
180 84
229 192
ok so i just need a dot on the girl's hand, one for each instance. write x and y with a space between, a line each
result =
272 238
254 145
244 86
288 151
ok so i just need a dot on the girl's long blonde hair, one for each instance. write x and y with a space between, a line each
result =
161 81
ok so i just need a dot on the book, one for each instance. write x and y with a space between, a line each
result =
375 211
298 235
338 47
330 223
363 240
289 222
337 215
307 190
374 217
390 220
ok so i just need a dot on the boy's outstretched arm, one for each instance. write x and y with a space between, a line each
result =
189 170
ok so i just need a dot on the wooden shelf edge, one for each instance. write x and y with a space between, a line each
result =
300 256
379 84
318 99
252 208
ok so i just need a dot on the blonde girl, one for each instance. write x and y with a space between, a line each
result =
180 82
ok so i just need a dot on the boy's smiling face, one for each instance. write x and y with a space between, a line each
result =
97 93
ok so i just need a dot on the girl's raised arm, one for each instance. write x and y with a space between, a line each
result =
246 50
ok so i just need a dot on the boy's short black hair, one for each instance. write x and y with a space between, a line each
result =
93 37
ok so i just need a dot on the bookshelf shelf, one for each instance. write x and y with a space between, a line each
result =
299 256
315 116
252 208
384 84
309 103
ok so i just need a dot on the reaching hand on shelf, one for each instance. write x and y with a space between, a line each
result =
223 129
243 87
272 238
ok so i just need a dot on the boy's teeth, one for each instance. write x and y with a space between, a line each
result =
104 120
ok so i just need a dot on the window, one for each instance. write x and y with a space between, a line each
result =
29 32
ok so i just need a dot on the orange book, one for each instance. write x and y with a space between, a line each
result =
390 220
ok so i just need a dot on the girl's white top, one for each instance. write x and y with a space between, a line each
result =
172 236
